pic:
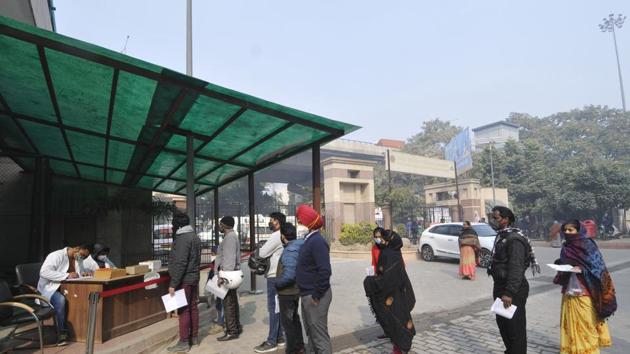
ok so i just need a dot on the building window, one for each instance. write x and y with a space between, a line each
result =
442 196
353 173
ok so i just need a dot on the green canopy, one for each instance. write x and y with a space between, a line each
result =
103 116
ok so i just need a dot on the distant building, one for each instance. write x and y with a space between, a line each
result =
476 201
498 133
39 13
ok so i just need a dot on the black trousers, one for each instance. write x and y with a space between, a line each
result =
514 331
291 323
231 313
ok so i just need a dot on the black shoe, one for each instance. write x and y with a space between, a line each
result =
196 342
265 347
226 337
281 342
62 339
180 347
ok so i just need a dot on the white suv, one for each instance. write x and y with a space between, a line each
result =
441 240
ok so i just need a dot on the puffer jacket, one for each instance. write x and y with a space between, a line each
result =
185 257
285 275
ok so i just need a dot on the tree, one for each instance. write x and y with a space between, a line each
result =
432 138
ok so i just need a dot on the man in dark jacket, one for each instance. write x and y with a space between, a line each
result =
183 268
313 278
510 260
288 290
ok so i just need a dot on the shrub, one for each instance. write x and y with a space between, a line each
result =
401 229
360 233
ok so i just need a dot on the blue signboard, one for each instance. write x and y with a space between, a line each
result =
459 149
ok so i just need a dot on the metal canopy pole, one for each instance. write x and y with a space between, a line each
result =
459 206
216 216
316 166
252 228
190 183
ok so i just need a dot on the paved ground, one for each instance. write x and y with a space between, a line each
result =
450 314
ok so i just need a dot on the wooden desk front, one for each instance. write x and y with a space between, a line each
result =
116 315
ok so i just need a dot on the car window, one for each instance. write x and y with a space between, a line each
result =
442 229
455 230
484 230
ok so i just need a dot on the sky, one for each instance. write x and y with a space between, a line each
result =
386 66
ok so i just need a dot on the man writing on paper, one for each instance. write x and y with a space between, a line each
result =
511 258
183 268
60 265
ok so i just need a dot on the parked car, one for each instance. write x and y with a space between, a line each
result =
441 240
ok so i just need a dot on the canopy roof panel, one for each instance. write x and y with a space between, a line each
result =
103 116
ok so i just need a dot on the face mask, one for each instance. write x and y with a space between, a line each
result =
377 240
78 257
272 226
102 258
494 224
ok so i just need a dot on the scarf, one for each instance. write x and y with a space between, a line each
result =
580 250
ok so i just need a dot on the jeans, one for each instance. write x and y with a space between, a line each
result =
275 327
291 322
218 305
59 303
189 314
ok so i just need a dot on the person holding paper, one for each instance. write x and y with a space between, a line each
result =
588 296
390 294
468 252
183 268
228 259
60 265
288 290
511 257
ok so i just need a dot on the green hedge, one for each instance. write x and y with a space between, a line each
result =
360 233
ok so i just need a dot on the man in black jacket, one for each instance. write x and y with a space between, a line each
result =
183 268
510 260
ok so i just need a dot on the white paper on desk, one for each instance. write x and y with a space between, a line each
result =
562 268
87 277
172 303
213 287
499 309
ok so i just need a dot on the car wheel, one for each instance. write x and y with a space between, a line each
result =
485 257
427 253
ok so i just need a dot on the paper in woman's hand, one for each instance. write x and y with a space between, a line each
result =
563 268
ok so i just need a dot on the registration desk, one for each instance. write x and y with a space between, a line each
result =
117 314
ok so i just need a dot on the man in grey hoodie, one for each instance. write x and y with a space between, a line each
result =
229 259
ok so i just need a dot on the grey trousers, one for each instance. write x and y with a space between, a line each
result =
315 318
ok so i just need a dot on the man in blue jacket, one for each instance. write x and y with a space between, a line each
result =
288 290
313 279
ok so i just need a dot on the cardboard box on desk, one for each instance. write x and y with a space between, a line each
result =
109 273
137 269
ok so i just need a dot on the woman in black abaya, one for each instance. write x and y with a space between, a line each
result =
390 294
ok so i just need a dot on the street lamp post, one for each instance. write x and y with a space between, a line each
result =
494 196
608 25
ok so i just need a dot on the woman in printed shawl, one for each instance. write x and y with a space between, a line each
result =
588 293
390 294
468 252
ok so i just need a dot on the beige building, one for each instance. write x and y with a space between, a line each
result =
476 201
348 192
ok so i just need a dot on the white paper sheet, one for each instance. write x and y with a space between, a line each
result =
369 271
172 303
563 268
213 287
277 310
499 309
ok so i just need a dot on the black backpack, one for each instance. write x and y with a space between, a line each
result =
257 264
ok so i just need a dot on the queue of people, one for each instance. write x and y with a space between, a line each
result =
298 283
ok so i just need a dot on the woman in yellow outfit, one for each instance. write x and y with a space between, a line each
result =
588 294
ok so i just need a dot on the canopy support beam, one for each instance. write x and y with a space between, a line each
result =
190 183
